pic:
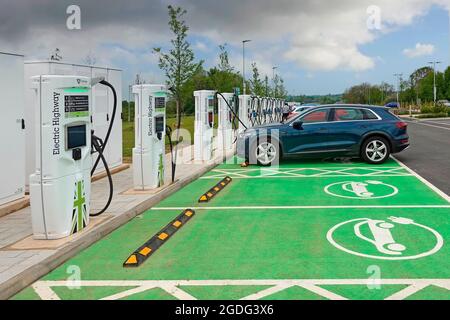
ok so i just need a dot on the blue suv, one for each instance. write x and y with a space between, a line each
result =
369 132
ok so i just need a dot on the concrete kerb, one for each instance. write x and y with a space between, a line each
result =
22 280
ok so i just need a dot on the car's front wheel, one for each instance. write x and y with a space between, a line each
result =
375 150
266 152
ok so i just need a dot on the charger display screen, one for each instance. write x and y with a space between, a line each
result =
159 124
76 136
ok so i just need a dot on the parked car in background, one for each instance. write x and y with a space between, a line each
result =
392 105
369 132
444 103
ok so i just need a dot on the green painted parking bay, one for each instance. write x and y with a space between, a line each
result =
313 184
366 235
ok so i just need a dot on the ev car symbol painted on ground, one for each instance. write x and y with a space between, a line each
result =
370 189
380 237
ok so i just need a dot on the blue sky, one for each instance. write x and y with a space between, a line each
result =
386 50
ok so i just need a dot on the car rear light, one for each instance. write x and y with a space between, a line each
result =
401 125
406 141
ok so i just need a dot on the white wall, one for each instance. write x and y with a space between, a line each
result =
12 135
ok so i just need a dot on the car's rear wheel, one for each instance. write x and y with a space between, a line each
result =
375 150
266 152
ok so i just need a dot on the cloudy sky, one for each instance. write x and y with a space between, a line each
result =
319 46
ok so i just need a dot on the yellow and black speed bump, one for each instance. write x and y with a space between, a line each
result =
215 190
144 252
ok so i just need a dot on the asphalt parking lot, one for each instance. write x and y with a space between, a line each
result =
429 154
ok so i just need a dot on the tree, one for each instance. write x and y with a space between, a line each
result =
223 78
276 86
266 86
256 84
178 64
224 61
282 92
446 87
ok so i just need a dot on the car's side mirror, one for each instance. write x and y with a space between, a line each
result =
297 125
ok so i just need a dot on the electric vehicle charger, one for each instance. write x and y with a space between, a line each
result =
205 103
244 111
150 132
61 185
231 110
226 123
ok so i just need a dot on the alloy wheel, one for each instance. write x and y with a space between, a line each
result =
266 152
376 150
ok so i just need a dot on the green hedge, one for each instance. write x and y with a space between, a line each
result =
429 108
434 115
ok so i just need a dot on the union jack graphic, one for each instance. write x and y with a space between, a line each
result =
79 215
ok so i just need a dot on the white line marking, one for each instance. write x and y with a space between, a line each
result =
304 207
278 173
423 180
234 282
43 288
429 125
177 292
323 292
307 168
226 173
437 122
376 171
408 291
267 292
127 293
443 285
45 292
213 177
333 172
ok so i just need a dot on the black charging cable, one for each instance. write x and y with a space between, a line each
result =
174 165
99 146
106 83
231 109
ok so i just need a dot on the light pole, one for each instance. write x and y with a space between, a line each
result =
399 77
273 79
434 63
129 101
244 85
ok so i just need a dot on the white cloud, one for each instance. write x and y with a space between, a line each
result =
317 35
201 46
419 50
